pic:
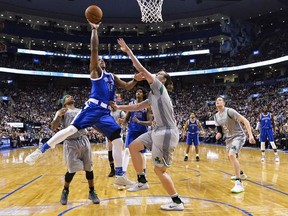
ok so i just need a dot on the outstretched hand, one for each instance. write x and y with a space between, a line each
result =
123 46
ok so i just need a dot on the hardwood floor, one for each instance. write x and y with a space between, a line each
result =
204 186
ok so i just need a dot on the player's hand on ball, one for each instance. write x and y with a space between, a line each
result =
139 77
93 25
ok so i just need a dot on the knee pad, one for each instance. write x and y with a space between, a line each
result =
69 177
89 175
115 135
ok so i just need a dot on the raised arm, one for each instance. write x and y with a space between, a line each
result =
95 69
139 67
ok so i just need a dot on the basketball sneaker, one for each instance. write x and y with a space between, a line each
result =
138 186
123 180
33 157
197 158
172 206
242 177
186 158
238 188
93 197
263 159
277 159
64 197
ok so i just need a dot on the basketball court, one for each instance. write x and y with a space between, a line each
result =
204 186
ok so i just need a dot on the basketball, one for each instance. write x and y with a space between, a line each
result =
93 14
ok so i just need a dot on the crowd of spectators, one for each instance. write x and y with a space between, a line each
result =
35 107
273 47
271 42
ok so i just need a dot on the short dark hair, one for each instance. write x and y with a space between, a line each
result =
145 92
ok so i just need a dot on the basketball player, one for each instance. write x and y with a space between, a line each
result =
266 122
77 151
138 122
96 112
227 121
163 140
119 117
193 125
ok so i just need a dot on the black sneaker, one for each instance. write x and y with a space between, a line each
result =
197 158
64 197
112 173
93 197
186 158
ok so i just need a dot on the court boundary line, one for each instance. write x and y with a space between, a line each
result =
187 197
24 185
256 183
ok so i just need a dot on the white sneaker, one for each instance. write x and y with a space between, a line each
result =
172 206
123 180
242 177
138 186
33 157
263 159
277 159
238 188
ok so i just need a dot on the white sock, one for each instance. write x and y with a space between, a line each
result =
61 136
126 159
117 146
274 147
263 148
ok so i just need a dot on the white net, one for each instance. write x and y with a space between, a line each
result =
151 10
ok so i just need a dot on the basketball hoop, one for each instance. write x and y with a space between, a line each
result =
151 10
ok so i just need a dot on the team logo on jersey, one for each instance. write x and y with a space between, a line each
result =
161 89
157 160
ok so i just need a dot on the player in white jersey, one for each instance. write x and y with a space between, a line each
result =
227 121
164 138
77 151
118 116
